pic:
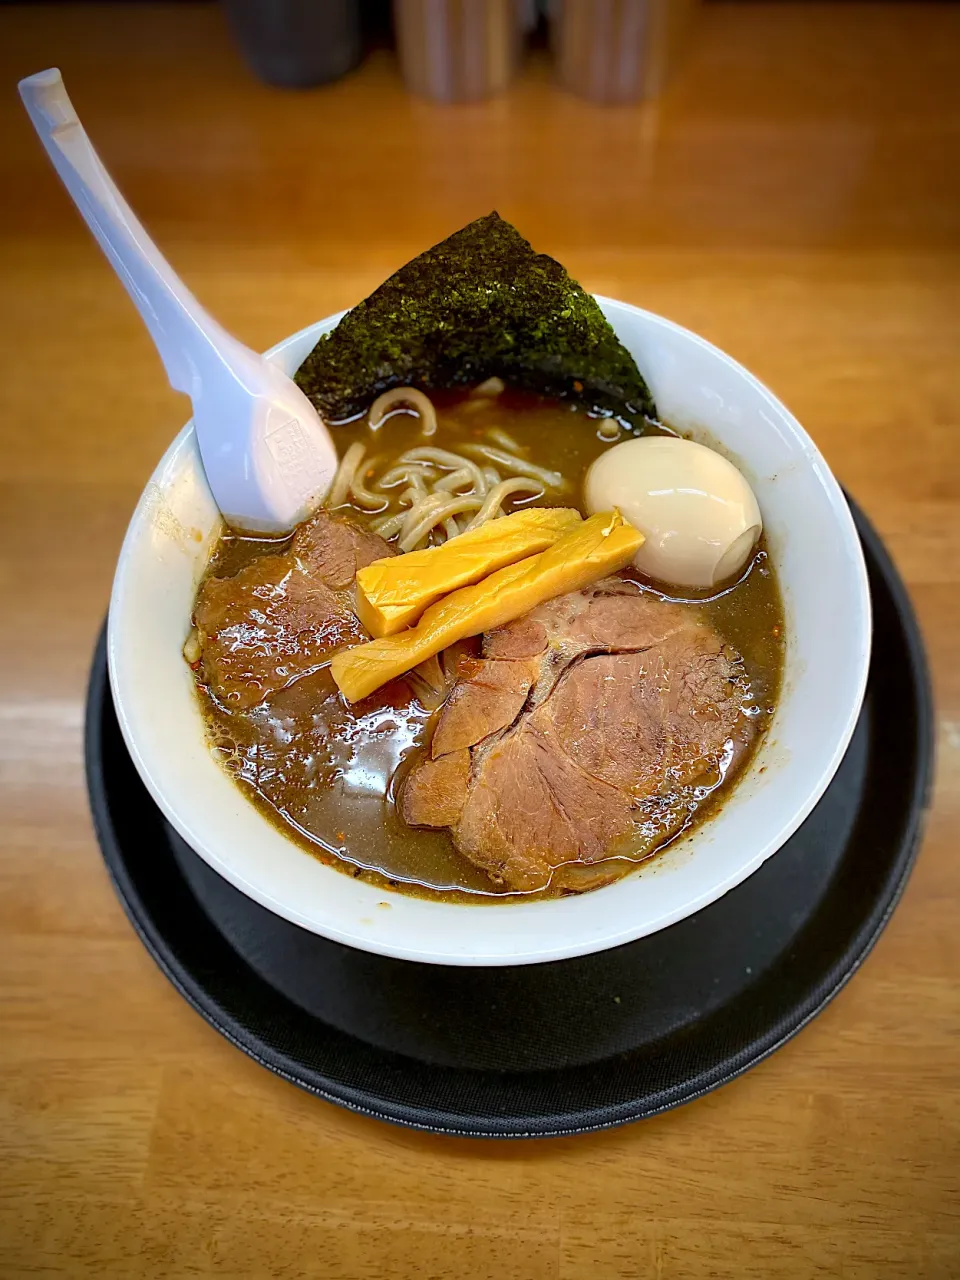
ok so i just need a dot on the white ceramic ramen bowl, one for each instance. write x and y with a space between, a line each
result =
817 554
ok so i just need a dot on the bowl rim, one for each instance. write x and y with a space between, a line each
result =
523 953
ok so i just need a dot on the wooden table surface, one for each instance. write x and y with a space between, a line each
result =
796 198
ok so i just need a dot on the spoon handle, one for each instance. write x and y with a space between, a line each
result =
268 457
181 329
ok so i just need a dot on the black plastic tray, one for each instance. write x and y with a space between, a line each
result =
564 1047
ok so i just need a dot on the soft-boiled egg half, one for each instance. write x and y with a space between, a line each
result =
698 514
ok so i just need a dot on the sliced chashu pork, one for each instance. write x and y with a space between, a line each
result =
586 722
282 616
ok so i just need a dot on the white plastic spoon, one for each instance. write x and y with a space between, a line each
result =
269 458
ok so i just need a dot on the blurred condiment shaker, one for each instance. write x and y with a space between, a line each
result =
459 50
617 50
297 43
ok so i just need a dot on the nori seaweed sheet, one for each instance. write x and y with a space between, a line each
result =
480 303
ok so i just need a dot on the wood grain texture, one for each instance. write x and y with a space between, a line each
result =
795 197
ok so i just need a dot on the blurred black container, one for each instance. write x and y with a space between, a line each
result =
297 43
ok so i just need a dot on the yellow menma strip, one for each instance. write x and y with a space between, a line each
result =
393 593
594 548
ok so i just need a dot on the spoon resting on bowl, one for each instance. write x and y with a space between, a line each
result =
268 457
